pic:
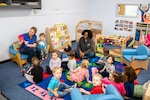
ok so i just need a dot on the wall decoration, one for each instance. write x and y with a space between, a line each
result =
123 25
144 9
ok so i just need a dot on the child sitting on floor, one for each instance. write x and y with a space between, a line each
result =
71 63
97 83
64 55
35 73
81 72
54 61
129 75
101 62
116 79
109 67
57 88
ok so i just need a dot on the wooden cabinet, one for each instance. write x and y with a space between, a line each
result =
58 37
94 26
141 33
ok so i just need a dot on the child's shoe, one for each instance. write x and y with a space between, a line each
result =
68 90
74 86
23 71
27 65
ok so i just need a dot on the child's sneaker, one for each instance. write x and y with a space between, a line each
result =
27 65
74 86
68 90
23 71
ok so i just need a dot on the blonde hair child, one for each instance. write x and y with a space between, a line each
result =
97 83
81 72
57 88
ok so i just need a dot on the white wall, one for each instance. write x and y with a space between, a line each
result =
105 11
15 21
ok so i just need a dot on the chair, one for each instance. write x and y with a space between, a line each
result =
111 94
137 58
17 57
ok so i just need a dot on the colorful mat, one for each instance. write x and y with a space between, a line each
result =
40 89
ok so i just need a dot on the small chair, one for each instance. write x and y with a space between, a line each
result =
111 94
137 58
17 57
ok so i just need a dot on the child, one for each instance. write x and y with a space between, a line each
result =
34 74
116 79
81 72
64 55
43 46
71 63
101 62
97 83
129 75
54 61
57 88
109 67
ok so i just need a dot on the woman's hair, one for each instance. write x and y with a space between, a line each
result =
71 54
84 63
34 28
113 59
56 68
129 72
35 62
118 77
106 51
54 51
90 35
41 34
67 48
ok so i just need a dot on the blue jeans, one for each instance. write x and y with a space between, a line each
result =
86 55
31 52
61 92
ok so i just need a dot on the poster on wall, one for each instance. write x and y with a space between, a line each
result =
145 12
123 25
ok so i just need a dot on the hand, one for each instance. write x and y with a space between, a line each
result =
55 93
25 42
90 82
101 71
34 44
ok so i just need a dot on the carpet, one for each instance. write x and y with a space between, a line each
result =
40 89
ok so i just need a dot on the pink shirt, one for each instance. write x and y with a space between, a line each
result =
79 74
119 86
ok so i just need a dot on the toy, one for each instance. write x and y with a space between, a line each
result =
99 41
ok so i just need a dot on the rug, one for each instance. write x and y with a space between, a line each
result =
40 89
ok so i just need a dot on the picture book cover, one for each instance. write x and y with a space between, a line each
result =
20 38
